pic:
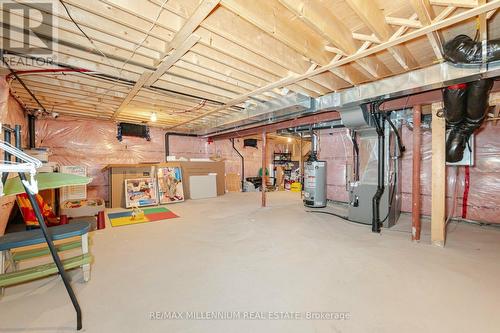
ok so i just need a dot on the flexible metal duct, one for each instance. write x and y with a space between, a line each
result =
464 50
465 107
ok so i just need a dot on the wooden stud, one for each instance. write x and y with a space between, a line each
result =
438 197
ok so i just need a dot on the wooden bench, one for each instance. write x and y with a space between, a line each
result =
17 240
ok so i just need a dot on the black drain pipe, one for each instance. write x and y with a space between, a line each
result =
242 165
31 131
167 141
380 126
7 131
355 155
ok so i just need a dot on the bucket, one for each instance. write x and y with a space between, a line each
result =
296 187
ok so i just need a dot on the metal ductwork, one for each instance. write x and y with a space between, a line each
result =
373 185
296 105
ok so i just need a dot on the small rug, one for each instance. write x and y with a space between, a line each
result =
150 215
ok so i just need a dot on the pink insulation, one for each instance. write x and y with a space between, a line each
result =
198 147
11 113
336 149
94 145
484 194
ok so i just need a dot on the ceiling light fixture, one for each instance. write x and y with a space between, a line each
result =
153 117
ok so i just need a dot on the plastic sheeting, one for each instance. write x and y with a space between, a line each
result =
93 144
12 114
196 147
484 193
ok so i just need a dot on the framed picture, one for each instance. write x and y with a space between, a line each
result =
140 192
170 184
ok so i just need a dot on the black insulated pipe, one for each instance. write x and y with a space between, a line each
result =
17 139
167 141
379 125
242 165
465 107
401 147
464 50
31 131
355 148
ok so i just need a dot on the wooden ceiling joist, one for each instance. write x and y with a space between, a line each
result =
383 46
205 58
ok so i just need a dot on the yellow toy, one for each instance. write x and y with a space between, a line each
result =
137 213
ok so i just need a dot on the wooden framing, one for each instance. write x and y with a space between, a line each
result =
438 195
230 53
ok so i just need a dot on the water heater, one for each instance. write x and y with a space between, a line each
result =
315 184
314 179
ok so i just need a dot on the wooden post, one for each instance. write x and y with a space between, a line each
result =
438 176
264 164
415 199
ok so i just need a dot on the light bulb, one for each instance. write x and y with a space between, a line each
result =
154 117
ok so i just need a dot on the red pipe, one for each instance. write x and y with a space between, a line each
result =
49 70
264 165
415 198
466 192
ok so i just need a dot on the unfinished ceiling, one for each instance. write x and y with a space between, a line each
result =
192 61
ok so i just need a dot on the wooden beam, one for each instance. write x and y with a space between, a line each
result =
374 19
378 48
370 38
201 12
334 30
483 31
455 3
403 22
135 89
425 14
172 59
438 195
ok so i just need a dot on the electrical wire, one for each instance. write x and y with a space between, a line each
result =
119 71
346 220
86 36
146 36
337 215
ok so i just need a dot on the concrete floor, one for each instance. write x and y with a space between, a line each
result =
228 254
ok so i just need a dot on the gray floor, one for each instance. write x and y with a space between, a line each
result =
227 254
